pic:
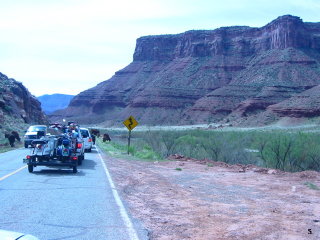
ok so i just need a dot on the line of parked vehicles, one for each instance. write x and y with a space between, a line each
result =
57 145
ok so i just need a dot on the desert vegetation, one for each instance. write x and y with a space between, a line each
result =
279 149
7 125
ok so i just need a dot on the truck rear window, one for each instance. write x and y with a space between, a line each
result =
36 129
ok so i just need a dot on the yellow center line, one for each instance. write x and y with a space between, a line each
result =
14 172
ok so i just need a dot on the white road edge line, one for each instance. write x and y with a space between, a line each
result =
125 217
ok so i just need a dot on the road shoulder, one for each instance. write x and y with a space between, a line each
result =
194 200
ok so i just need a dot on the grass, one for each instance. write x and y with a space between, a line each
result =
112 149
311 186
9 124
178 169
292 149
7 148
120 150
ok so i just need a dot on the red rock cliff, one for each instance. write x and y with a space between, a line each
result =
17 104
202 76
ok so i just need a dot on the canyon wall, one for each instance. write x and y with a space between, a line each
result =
229 74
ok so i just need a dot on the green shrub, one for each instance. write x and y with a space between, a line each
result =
280 149
147 153
311 186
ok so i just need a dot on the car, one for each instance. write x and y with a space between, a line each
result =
87 139
34 132
9 235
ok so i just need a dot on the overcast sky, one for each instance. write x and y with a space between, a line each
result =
68 46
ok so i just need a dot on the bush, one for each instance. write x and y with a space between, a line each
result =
273 149
288 151
147 153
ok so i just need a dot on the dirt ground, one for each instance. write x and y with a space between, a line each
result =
203 200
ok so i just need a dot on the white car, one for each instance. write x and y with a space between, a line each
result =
8 235
87 139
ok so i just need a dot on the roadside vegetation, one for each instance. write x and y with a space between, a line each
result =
5 147
119 149
312 186
279 149
8 125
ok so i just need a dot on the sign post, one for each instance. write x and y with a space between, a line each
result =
129 141
130 123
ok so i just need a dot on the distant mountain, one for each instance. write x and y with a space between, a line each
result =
234 74
53 102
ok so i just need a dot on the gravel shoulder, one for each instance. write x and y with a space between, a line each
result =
190 199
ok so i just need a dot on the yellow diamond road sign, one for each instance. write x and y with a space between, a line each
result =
130 123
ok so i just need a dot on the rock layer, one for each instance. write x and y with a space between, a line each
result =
17 104
224 74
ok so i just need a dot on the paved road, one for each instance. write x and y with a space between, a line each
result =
58 204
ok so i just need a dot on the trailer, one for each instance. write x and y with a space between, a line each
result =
53 151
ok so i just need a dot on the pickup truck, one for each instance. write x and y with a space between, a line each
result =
34 132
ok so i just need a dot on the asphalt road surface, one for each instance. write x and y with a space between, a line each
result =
57 204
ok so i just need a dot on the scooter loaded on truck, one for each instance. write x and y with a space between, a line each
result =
63 148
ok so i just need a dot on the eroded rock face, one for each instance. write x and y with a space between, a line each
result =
204 76
305 104
17 103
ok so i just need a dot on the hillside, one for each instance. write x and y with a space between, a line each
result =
18 107
231 74
53 102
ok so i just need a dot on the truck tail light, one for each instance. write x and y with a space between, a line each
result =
28 157
79 145
90 140
74 158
